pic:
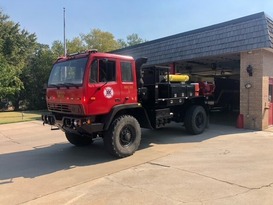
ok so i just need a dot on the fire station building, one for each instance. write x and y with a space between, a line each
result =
235 56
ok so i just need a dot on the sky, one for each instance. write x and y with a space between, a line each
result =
150 19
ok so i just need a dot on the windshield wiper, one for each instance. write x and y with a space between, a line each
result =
63 85
72 85
54 85
68 85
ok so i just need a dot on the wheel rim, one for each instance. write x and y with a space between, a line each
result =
199 120
127 136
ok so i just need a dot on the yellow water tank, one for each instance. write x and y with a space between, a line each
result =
179 78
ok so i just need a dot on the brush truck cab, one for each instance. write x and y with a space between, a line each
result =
94 94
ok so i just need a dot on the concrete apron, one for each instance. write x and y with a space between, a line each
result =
224 165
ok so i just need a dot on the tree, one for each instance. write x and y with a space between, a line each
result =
9 80
76 45
122 43
101 40
15 48
96 39
73 46
35 75
134 39
57 48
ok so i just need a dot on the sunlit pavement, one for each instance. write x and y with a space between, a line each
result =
224 165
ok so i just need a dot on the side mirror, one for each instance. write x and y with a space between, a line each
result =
139 62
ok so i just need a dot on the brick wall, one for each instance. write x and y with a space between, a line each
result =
254 101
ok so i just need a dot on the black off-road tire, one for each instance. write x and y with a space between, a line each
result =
196 120
123 137
78 140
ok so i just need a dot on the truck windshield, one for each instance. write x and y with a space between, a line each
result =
68 73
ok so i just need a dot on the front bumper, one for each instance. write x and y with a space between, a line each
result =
80 125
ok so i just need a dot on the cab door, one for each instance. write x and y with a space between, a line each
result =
104 88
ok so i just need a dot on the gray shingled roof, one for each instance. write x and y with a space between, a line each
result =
270 31
243 34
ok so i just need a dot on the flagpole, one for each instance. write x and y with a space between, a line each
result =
64 32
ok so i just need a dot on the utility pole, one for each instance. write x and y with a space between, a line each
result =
64 32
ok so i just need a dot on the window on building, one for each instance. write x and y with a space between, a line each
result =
126 72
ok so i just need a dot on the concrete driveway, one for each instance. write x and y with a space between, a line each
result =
224 165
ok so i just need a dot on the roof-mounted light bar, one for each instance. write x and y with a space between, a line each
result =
82 52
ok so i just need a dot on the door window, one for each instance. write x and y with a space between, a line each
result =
126 72
102 71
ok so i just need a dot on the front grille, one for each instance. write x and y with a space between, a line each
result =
64 108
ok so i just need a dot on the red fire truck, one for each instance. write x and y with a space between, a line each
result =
94 94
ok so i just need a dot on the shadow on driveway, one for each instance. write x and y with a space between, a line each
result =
45 160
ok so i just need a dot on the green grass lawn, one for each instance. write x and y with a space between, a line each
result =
11 116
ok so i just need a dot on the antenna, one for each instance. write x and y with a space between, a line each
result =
64 32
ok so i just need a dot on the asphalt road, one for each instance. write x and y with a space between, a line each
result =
224 165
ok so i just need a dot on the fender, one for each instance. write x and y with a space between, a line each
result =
134 109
